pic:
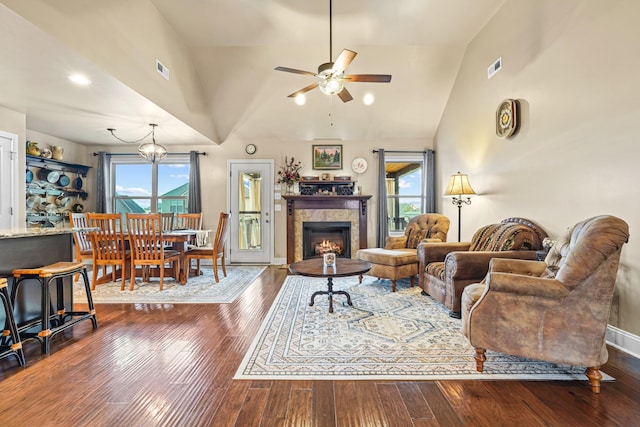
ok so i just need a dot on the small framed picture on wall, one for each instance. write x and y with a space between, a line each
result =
327 157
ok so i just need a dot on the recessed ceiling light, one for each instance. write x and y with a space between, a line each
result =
300 99
368 99
80 79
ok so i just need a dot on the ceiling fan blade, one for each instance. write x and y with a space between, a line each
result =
293 70
343 60
303 90
369 78
345 95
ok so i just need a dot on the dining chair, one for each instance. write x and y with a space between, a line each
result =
108 246
81 239
168 219
145 243
215 251
190 221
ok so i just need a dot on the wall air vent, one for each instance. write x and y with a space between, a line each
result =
494 68
162 69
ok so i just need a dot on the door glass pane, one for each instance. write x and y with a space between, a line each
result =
249 211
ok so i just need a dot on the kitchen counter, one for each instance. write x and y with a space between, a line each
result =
37 231
32 248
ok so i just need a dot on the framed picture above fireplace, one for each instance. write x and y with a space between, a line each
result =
327 157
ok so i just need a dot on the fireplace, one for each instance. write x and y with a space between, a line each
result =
322 208
319 237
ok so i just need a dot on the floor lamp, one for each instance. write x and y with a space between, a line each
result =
459 186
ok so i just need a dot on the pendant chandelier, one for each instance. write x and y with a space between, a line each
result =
151 151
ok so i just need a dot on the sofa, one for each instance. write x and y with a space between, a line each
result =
444 269
398 258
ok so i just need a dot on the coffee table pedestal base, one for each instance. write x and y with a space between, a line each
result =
330 292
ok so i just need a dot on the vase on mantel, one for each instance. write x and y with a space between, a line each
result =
289 188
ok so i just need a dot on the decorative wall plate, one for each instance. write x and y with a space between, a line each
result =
506 118
359 165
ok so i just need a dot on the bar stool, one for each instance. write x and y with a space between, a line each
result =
50 323
10 344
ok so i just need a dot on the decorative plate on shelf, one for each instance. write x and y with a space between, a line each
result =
359 165
506 118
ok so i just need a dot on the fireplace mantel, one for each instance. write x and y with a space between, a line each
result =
318 202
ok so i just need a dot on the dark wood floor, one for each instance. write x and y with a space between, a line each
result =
172 365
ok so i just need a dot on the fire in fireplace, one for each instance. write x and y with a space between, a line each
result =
322 237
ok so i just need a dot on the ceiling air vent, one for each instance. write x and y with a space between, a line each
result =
162 69
494 68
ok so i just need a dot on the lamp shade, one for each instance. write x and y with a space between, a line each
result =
459 186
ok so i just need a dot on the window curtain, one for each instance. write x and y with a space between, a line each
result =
429 181
383 220
195 200
104 196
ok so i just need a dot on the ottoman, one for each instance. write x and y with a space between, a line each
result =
392 264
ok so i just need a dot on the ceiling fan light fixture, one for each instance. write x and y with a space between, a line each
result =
331 85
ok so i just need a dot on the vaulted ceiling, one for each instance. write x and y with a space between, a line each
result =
233 46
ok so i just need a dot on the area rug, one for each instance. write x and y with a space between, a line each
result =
384 335
198 290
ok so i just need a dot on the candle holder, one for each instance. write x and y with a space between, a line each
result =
329 259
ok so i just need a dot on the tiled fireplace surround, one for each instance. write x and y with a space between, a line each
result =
325 208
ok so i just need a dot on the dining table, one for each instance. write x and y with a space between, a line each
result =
178 240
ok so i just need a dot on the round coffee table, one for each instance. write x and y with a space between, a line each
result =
344 267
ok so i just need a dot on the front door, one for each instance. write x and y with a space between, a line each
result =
8 160
251 208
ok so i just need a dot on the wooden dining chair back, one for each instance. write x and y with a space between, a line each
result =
216 250
81 239
147 250
168 219
189 221
108 246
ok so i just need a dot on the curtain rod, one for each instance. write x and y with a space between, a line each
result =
411 152
200 153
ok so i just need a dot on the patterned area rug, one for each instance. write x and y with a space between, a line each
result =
199 290
384 335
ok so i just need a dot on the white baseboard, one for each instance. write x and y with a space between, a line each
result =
623 340
279 261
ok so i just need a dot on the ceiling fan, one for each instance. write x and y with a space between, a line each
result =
331 74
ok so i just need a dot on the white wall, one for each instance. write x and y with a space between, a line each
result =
574 67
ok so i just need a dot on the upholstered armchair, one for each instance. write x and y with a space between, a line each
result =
398 259
555 312
444 269
429 227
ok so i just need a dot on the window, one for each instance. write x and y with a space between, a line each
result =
406 192
140 186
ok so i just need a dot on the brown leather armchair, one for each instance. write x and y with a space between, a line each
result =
398 257
527 310
444 269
